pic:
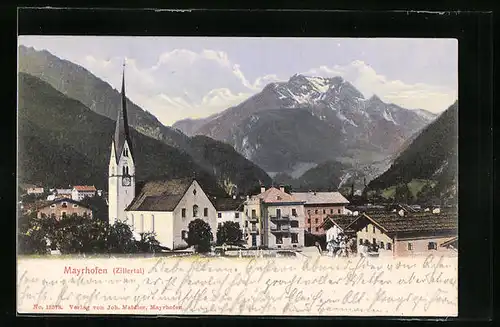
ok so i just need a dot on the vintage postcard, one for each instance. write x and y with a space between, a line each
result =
237 176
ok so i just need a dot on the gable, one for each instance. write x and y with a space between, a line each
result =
196 195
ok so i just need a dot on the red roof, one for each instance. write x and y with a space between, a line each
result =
85 188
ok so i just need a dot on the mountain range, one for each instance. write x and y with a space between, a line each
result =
312 133
306 121
72 82
431 156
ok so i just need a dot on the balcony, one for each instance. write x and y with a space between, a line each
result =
280 229
252 218
279 218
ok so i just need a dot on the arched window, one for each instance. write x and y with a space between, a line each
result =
141 224
195 211
125 170
132 220
125 152
152 223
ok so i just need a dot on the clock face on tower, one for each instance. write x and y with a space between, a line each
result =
126 181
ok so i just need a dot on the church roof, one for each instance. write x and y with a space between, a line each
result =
122 133
164 195
161 195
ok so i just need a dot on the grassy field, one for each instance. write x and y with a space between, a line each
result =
415 186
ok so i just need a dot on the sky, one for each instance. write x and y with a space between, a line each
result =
194 77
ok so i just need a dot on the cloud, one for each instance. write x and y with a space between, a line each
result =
368 81
183 83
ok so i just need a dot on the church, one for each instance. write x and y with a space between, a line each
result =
165 207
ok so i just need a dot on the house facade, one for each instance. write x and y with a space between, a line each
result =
62 208
334 225
35 190
167 207
230 209
406 234
80 192
279 220
318 205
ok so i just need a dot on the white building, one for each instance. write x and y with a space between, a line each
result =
35 190
121 169
230 209
167 207
79 192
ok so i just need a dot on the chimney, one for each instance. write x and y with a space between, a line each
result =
282 188
248 197
262 189
234 196
401 213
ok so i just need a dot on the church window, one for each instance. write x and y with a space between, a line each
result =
184 234
236 215
132 221
219 214
141 224
195 211
125 170
205 212
125 152
183 212
152 223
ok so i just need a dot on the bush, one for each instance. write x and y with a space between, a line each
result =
148 243
199 235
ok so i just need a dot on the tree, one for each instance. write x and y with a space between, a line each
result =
98 206
32 236
199 235
403 194
229 233
80 234
120 239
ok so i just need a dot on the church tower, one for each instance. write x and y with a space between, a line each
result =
121 175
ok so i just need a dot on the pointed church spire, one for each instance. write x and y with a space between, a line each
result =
122 131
